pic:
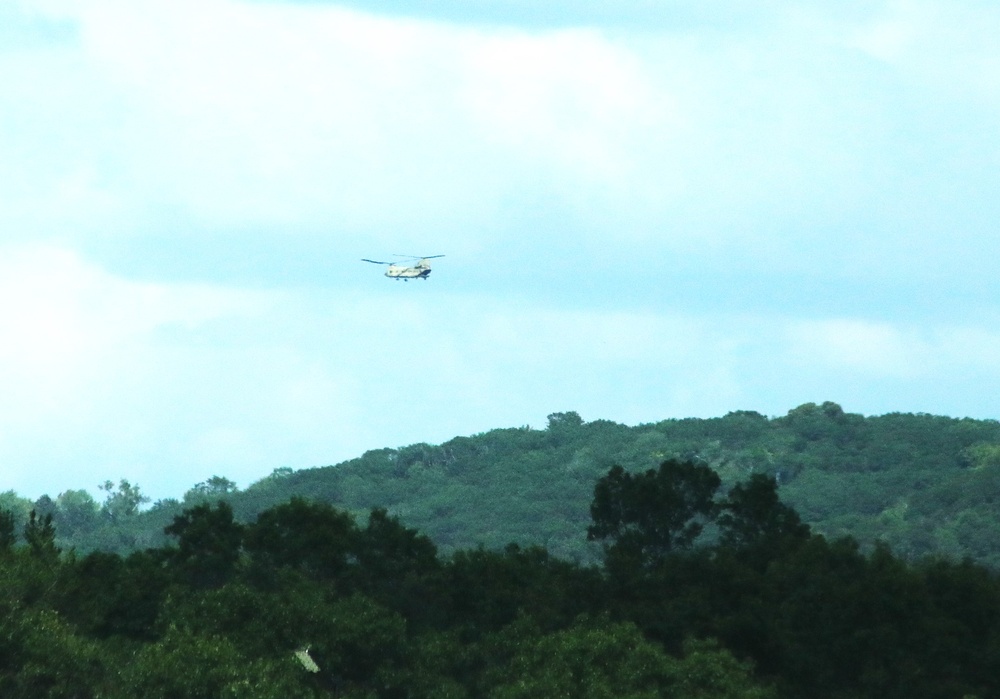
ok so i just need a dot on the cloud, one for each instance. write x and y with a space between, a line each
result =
895 351
220 119
61 312
167 384
237 114
89 363
857 345
683 219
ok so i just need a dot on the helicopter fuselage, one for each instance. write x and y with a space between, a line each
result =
421 270
405 273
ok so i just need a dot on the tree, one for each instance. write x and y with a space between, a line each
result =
361 644
564 421
15 504
45 506
590 660
123 502
597 659
315 538
41 536
708 671
185 665
394 563
76 511
215 488
489 589
208 545
42 658
564 427
8 535
753 516
649 515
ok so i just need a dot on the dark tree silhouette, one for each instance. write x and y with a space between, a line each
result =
652 514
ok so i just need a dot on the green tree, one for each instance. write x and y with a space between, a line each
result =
598 659
488 590
104 595
45 506
40 535
362 645
8 535
186 665
208 543
591 660
42 658
12 502
122 502
441 665
708 671
395 564
753 518
215 488
563 428
76 511
649 515
315 538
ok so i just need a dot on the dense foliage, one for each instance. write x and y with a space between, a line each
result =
703 593
922 484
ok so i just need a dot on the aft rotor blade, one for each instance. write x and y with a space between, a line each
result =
418 257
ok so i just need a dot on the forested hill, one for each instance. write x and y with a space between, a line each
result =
924 484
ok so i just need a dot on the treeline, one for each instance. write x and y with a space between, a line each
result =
703 592
922 484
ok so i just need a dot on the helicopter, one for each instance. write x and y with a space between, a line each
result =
397 271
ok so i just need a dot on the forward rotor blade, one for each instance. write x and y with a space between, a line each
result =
418 257
375 262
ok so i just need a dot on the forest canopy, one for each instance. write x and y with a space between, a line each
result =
701 592
924 485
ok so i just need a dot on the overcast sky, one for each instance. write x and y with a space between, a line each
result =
647 212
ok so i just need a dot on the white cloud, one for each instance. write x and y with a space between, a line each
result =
60 312
895 351
86 358
261 113
232 116
859 345
813 147
167 384
237 114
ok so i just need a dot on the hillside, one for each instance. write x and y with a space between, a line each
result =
700 594
923 484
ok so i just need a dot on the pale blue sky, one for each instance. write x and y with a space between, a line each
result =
647 213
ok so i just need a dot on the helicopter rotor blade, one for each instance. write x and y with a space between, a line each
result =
418 257
375 262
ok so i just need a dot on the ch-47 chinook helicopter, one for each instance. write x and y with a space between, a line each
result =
420 270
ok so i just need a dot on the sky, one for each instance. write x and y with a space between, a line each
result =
648 210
